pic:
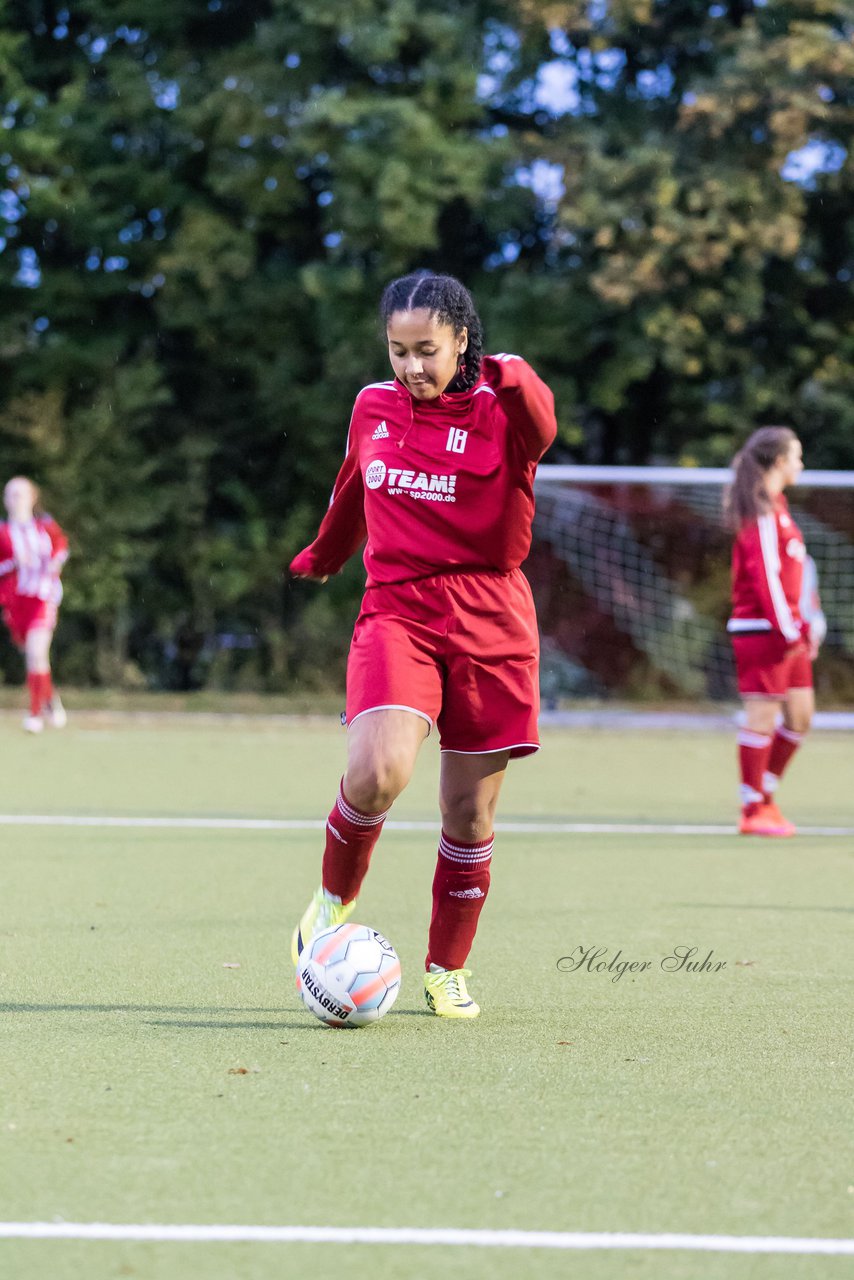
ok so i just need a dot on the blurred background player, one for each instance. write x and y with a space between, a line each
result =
33 550
775 642
439 476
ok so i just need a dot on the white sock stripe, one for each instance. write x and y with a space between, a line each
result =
484 854
359 819
467 848
465 858
469 858
473 851
460 853
471 863
747 738
789 735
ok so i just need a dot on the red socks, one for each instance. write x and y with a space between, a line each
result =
350 839
460 886
40 686
34 683
763 761
753 752
784 746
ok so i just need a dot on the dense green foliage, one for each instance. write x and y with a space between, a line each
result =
199 213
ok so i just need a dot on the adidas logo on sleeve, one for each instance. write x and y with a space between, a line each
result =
381 433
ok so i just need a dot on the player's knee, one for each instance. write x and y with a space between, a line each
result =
373 785
762 719
464 819
798 715
799 723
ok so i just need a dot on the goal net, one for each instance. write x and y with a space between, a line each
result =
630 569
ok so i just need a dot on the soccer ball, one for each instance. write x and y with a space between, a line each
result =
348 976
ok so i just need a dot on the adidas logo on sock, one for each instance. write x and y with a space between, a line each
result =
381 432
465 893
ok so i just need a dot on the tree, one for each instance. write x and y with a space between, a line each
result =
205 209
701 251
202 206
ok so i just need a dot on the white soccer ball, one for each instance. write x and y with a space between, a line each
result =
348 976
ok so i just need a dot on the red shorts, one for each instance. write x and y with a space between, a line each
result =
461 650
767 667
24 613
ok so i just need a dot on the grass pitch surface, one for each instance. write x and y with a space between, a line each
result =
146 1081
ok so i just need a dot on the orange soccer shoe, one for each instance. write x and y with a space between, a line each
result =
786 828
767 820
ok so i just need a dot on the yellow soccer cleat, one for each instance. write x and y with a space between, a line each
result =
446 994
321 913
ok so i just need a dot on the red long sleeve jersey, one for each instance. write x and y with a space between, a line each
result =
31 555
438 485
767 574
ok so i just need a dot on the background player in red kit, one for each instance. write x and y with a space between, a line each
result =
439 477
774 644
33 550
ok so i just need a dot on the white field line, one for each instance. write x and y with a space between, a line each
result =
605 717
311 824
421 1236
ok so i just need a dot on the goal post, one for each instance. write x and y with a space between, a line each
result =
630 568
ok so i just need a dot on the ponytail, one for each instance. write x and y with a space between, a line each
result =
747 498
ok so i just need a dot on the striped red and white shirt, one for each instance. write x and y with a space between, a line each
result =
767 575
32 553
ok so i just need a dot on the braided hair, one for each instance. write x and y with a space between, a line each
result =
451 303
747 496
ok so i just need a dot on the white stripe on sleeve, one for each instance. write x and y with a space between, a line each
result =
768 541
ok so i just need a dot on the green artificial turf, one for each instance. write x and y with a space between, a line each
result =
146 1080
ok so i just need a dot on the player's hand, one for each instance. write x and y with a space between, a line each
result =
301 567
494 368
805 640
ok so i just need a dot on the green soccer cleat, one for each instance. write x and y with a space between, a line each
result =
321 913
446 994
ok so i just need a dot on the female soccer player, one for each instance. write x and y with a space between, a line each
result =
33 550
774 645
439 476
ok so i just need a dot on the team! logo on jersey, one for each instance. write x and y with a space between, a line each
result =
417 484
